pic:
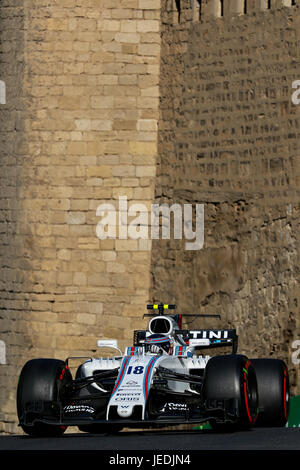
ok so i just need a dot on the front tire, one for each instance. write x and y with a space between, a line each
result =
273 392
41 380
232 377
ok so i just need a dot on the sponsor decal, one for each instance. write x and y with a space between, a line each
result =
133 350
180 350
209 334
79 409
127 399
174 407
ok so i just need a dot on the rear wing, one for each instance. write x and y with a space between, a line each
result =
200 339
159 309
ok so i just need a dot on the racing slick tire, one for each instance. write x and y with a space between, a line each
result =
273 392
41 381
232 378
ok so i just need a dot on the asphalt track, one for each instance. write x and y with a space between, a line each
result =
258 439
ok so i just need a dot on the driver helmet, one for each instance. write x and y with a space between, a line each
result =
161 341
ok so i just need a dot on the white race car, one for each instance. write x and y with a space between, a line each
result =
163 379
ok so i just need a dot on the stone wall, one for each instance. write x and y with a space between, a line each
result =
155 100
79 129
228 138
12 264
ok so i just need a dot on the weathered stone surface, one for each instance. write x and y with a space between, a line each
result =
72 125
141 98
228 138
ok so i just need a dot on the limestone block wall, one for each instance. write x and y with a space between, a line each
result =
13 303
159 101
79 129
229 138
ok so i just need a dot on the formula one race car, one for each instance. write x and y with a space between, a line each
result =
163 379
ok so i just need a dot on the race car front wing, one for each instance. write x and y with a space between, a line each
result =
77 414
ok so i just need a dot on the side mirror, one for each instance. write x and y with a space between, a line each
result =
108 343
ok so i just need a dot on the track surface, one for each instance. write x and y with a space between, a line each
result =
283 439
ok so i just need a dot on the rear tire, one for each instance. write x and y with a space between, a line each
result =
232 377
273 392
41 380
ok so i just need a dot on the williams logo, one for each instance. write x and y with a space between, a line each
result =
79 409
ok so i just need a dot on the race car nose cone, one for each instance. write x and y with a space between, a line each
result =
124 411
